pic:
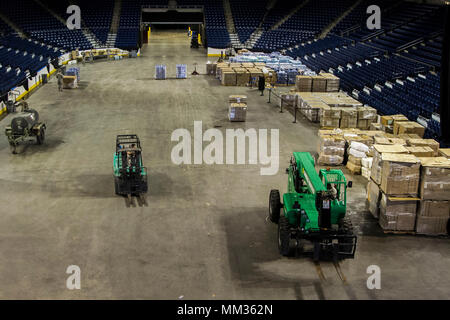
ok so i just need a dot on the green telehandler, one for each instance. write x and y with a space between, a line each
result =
313 212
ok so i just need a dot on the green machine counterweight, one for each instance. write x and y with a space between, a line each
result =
130 175
313 212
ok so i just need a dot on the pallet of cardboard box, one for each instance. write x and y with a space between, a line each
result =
241 74
335 110
237 110
323 82
413 193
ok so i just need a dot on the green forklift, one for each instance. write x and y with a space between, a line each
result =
130 175
312 217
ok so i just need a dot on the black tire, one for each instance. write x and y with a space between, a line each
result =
116 186
13 149
274 206
40 138
346 227
284 237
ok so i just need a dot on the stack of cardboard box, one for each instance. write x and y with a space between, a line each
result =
434 212
399 190
331 149
237 111
349 118
319 84
303 83
229 77
211 68
333 82
330 117
366 116
376 174
241 74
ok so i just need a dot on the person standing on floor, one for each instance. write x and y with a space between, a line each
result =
59 77
261 84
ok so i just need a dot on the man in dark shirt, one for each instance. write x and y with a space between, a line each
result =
261 84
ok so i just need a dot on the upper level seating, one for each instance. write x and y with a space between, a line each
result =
315 46
278 12
418 96
15 42
303 25
5 28
9 78
247 16
128 32
316 15
378 71
429 52
97 16
20 58
342 56
414 30
395 16
216 30
40 24
274 40
359 14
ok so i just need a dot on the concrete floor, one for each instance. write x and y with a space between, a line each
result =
204 233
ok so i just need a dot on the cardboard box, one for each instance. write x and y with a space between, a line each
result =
400 174
331 149
211 68
435 178
382 140
333 82
398 141
378 150
367 113
398 118
373 198
329 122
432 226
330 112
364 124
386 120
237 98
430 208
421 151
444 153
355 160
303 83
70 82
419 142
319 84
229 78
408 127
331 145
248 65
398 214
237 112
353 168
349 118
242 78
